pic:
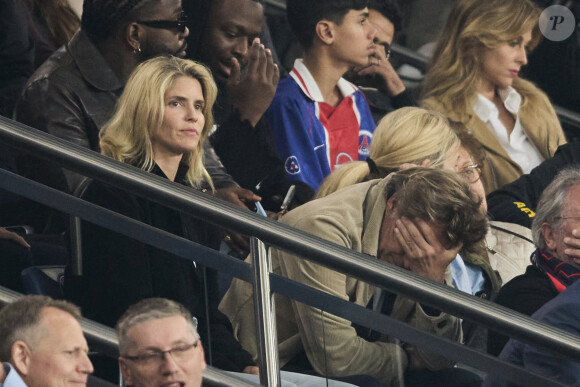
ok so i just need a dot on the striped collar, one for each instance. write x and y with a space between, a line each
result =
306 81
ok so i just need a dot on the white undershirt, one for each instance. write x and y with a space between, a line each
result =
518 146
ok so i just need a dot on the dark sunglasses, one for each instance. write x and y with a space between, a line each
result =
386 46
388 51
177 25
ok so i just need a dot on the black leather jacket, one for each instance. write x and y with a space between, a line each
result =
72 95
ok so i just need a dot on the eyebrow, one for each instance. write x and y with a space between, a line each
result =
173 344
239 29
381 42
180 98
176 97
76 349
520 39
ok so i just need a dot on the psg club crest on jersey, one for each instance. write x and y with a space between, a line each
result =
292 166
341 159
364 141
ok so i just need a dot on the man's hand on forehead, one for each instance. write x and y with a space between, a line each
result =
427 248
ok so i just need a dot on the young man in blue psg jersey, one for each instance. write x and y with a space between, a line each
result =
319 119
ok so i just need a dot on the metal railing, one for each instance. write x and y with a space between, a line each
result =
104 339
299 243
568 117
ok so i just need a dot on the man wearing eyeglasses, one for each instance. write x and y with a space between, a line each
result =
159 345
378 80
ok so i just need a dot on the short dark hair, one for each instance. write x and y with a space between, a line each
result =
389 9
303 15
101 18
440 196
20 320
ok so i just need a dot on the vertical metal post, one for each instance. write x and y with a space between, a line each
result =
76 246
265 315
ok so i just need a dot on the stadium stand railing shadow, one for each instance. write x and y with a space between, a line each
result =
272 233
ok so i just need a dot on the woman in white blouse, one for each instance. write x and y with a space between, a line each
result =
474 79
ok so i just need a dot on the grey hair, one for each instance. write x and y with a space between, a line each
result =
550 207
147 310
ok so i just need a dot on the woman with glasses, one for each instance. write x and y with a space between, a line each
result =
160 124
408 135
474 79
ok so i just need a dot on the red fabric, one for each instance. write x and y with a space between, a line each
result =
557 284
343 131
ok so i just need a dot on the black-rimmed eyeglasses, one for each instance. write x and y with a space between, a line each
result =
386 46
388 50
177 25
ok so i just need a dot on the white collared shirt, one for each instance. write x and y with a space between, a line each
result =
517 145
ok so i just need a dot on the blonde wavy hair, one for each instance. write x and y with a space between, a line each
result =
474 25
139 112
406 135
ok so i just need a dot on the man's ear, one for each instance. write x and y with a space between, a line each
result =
202 355
392 202
325 31
126 372
20 357
134 36
549 236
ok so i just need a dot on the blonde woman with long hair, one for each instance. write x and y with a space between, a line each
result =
163 118
159 125
408 135
161 121
473 79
